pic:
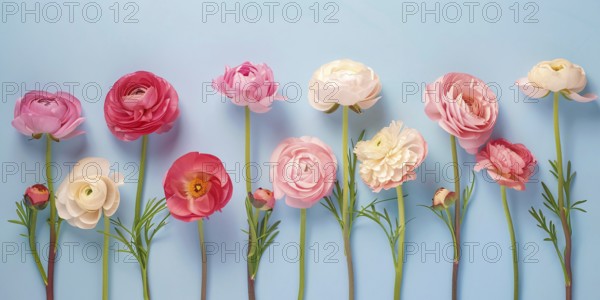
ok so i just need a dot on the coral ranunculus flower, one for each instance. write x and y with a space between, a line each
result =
140 103
509 164
464 106
40 112
196 186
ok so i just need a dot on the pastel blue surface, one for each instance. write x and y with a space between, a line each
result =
172 39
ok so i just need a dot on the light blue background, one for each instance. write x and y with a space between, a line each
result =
171 40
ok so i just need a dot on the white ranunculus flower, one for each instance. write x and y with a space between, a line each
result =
344 82
558 75
391 156
88 191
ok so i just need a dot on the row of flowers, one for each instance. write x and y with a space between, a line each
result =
305 171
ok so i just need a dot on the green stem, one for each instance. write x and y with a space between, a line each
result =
105 257
345 209
140 185
33 244
252 243
561 202
302 253
400 256
513 243
137 212
456 219
145 284
204 260
52 221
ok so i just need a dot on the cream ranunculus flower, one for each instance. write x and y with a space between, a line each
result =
89 190
391 156
344 82
558 75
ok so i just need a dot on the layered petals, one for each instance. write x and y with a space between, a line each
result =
508 164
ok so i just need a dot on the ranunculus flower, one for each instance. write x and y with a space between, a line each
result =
304 171
509 164
40 112
343 82
263 199
464 106
443 198
88 191
558 75
140 103
37 196
391 156
196 186
249 84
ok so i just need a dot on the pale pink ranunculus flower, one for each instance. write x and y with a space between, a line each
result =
303 171
510 165
251 85
391 156
139 104
558 75
39 112
464 106
196 186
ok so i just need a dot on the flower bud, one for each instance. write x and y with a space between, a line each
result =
36 196
443 198
263 199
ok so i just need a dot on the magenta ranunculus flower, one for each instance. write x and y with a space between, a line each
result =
464 106
509 164
304 171
40 112
140 103
249 84
196 186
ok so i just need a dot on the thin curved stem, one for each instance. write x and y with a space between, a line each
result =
346 210
302 253
561 202
140 183
105 257
52 221
249 264
145 284
513 243
204 260
400 256
456 219
33 245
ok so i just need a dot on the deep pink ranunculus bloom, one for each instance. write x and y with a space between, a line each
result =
57 114
510 165
196 186
140 103
249 84
304 171
464 106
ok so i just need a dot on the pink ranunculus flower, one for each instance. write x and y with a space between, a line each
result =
37 196
464 106
249 84
509 164
304 171
140 103
196 186
264 199
57 114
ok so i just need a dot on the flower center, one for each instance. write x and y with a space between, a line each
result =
557 67
197 187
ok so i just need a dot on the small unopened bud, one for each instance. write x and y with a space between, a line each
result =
443 198
263 199
36 196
